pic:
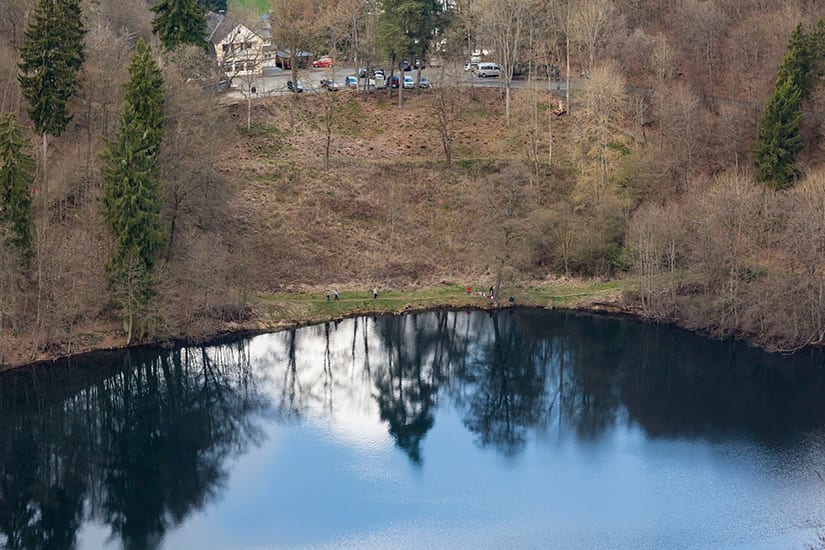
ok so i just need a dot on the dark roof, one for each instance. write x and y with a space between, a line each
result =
218 27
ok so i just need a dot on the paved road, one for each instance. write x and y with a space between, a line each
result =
310 79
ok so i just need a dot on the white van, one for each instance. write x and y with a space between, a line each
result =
488 69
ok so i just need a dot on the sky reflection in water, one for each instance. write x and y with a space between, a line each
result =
531 429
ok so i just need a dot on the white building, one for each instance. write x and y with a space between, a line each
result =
238 50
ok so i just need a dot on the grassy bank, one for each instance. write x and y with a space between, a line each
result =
277 311
280 310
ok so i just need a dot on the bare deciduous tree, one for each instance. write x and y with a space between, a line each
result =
598 142
505 26
701 28
591 23
193 144
294 33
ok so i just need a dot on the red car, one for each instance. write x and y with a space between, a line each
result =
322 63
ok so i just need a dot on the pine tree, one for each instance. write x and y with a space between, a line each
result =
179 22
797 64
132 195
778 140
50 58
16 176
816 45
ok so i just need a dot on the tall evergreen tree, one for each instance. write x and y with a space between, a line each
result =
778 140
406 26
816 45
180 22
50 58
16 176
797 65
132 196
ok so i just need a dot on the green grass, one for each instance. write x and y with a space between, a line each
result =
261 5
290 309
259 130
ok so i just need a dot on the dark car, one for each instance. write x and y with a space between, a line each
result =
330 84
293 87
405 66
394 81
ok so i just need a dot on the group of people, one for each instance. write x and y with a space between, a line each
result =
489 294
335 296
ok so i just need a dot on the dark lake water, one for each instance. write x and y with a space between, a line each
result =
521 429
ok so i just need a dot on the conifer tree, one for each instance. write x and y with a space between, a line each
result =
816 45
132 195
180 22
16 176
50 58
797 65
778 138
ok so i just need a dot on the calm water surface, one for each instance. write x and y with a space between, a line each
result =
523 429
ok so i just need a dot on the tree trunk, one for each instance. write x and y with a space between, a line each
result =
248 108
328 113
294 103
498 279
46 176
567 60
549 125
507 101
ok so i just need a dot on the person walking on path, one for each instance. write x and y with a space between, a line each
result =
327 295
335 295
375 293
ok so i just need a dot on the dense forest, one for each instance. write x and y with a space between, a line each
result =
138 203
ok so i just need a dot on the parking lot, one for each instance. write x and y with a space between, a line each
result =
275 83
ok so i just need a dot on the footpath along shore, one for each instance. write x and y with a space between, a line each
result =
280 311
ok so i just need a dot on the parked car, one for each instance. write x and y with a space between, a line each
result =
394 81
419 64
405 66
471 66
409 82
294 87
362 72
330 84
322 62
351 81
488 69
423 83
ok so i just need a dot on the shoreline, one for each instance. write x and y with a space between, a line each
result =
277 312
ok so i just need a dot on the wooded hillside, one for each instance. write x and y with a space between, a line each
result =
650 174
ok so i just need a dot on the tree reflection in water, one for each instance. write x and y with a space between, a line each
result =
506 388
139 446
138 441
